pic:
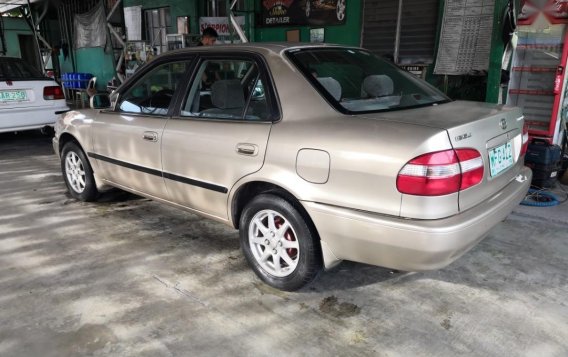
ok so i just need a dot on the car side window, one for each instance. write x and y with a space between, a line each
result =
227 89
152 94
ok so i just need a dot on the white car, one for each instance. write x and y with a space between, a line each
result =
28 99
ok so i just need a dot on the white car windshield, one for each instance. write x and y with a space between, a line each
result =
356 81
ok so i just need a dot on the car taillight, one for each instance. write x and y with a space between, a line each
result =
441 173
53 93
525 140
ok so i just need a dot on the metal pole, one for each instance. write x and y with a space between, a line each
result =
397 37
113 9
235 24
34 29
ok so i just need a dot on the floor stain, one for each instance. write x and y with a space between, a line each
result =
87 339
331 306
447 322
357 337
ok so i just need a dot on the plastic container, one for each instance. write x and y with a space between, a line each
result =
542 153
83 79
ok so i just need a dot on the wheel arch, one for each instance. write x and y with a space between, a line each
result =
246 192
66 138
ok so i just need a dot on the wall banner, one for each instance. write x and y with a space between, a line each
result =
219 24
303 12
465 40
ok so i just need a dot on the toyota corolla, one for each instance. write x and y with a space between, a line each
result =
316 154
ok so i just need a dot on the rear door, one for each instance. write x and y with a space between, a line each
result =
127 140
220 132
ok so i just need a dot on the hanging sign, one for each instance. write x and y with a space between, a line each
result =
465 40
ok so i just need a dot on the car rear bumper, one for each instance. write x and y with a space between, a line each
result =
20 119
411 245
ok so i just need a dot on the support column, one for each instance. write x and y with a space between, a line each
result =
496 54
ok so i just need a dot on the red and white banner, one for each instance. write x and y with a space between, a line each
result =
219 24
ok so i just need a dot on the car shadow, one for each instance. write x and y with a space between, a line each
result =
349 275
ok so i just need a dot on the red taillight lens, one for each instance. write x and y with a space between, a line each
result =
441 173
525 140
53 93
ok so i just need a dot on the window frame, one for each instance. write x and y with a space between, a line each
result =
190 58
336 104
265 75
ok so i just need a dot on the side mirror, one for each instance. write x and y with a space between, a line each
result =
100 101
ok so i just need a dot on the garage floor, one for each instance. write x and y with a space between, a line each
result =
130 277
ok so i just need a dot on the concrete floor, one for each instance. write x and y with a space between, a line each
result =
130 277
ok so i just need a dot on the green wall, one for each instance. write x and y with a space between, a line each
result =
12 28
347 34
92 60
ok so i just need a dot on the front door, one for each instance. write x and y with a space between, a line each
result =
127 140
220 133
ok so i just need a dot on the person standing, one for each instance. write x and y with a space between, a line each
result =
209 37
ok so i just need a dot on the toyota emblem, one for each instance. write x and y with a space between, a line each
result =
503 123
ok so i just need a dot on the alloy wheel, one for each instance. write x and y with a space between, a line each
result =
75 172
273 243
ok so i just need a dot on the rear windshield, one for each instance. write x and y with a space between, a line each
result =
356 81
15 69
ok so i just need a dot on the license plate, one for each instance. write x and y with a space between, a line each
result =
501 158
13 96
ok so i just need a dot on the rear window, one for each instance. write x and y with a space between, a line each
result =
15 69
356 81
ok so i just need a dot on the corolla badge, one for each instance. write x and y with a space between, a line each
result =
503 123
463 136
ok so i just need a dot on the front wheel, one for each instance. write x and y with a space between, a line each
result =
77 173
278 243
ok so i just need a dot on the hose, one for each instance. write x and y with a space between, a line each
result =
540 198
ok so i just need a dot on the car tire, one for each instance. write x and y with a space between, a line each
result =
278 243
77 173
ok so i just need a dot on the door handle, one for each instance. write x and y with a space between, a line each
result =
247 149
150 136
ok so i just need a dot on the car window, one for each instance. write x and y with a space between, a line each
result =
14 69
227 89
356 81
152 94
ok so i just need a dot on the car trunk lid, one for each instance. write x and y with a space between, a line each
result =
493 130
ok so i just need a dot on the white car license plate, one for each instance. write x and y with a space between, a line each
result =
13 96
501 158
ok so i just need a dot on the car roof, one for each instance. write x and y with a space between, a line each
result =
275 47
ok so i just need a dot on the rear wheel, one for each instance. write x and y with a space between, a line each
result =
77 173
278 243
